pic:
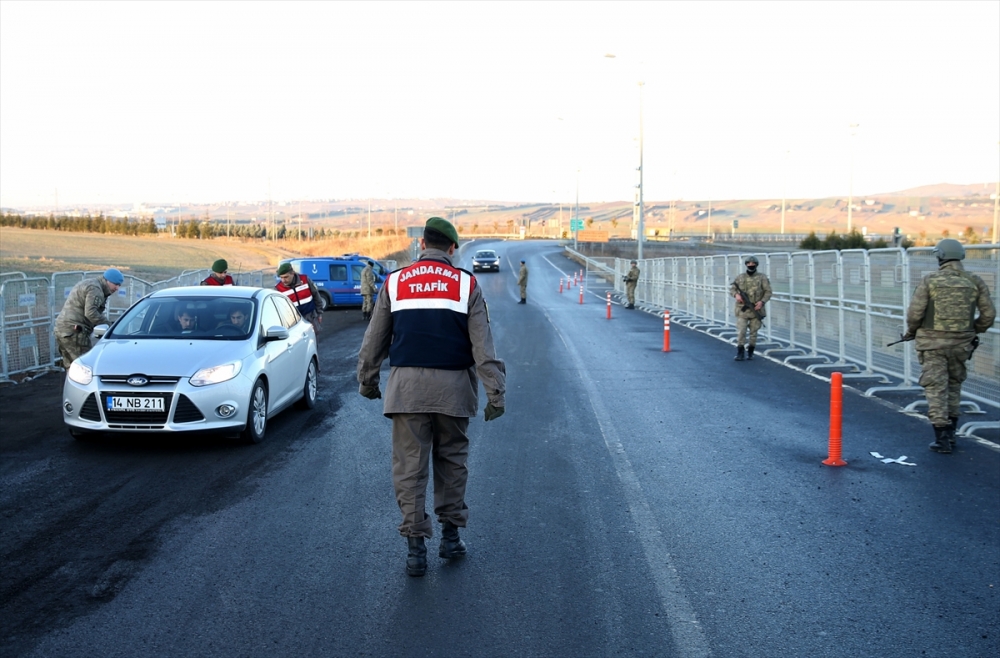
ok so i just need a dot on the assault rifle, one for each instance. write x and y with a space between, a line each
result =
747 306
902 339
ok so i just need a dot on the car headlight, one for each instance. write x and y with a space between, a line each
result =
80 373
216 374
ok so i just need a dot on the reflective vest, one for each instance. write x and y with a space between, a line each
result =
212 281
299 294
429 302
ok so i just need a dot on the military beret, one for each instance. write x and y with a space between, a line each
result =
444 227
111 275
220 266
284 268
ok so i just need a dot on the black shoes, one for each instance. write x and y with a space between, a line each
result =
954 428
943 436
750 353
740 354
523 301
451 544
416 559
631 307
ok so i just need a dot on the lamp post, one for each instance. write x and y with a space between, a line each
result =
850 188
996 208
784 193
641 228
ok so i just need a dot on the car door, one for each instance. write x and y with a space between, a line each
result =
356 270
298 340
340 288
278 356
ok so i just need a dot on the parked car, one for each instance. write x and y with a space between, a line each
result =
338 278
196 359
486 260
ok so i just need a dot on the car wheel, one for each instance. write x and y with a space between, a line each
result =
310 388
256 414
324 300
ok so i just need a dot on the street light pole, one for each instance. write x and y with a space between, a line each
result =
576 212
641 207
850 189
784 193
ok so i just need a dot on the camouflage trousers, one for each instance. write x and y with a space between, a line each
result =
417 440
630 293
72 346
524 292
367 305
942 374
742 324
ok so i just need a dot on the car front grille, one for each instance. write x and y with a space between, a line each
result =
89 410
141 419
153 379
186 412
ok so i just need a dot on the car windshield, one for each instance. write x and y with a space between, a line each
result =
486 254
202 318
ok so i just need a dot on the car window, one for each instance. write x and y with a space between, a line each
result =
289 316
269 316
356 271
338 272
485 254
186 317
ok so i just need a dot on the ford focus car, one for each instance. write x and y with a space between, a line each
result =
486 261
197 359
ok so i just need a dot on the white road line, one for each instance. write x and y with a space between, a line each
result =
687 634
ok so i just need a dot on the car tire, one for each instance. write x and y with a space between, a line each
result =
324 300
311 387
256 425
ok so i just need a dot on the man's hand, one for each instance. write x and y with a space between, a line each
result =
491 412
909 335
370 392
758 306
739 299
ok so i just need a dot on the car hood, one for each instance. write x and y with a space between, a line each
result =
168 357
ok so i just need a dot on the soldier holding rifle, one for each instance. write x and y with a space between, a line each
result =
752 289
942 319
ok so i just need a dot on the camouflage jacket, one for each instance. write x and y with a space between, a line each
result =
756 288
633 275
522 276
942 312
368 281
84 307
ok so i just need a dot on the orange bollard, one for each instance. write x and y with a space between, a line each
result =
666 330
609 304
581 293
836 413
560 285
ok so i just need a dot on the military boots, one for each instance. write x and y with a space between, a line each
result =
954 428
451 544
942 439
740 354
750 353
416 559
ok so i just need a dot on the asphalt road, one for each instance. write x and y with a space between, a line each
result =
629 503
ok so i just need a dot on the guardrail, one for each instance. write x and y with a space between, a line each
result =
30 305
830 309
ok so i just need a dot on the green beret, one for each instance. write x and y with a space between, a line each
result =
284 268
444 227
220 266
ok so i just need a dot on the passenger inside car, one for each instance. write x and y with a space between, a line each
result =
187 321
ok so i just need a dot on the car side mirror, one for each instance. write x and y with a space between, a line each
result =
275 333
100 330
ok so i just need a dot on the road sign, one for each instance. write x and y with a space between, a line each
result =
576 224
592 235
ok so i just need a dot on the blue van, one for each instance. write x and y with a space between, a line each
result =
338 278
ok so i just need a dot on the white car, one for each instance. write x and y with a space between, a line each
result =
196 359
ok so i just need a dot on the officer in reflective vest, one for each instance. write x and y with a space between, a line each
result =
431 321
220 274
302 293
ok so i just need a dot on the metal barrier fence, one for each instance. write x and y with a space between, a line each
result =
30 305
829 309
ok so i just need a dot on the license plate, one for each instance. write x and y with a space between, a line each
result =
121 403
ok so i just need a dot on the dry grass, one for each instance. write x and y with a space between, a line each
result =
155 258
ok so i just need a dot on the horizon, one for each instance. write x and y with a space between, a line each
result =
163 103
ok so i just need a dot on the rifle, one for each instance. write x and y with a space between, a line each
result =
902 339
746 305
236 279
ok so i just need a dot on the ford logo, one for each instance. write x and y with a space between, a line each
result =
137 380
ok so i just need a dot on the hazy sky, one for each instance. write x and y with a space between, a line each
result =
198 101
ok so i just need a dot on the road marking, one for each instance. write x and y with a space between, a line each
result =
686 631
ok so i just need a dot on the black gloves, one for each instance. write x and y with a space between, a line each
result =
370 392
491 412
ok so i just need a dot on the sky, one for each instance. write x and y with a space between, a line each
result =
200 102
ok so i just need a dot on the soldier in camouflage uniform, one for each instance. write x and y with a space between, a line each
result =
942 319
750 311
84 309
522 282
368 290
631 279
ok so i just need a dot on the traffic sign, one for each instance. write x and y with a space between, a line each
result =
576 224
